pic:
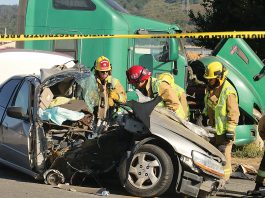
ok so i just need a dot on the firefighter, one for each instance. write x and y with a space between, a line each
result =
180 91
110 88
260 179
141 79
221 107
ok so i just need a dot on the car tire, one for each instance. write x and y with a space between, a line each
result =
149 173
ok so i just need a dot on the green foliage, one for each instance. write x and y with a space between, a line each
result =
247 151
231 15
8 19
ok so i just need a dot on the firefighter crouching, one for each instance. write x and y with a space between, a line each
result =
221 107
167 77
141 78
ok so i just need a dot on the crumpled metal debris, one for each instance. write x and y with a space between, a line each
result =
244 171
95 191
103 192
53 177
204 132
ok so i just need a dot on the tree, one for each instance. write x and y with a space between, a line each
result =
231 15
8 19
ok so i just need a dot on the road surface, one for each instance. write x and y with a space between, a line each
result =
14 184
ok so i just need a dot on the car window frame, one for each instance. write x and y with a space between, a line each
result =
14 98
13 92
4 107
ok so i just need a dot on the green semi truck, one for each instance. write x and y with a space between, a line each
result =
157 54
102 17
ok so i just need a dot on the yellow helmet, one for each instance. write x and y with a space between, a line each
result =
215 70
166 77
102 64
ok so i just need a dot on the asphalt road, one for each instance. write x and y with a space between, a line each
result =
14 184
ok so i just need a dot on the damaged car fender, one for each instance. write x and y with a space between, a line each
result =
182 139
180 144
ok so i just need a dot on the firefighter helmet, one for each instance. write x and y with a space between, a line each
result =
102 64
214 70
137 73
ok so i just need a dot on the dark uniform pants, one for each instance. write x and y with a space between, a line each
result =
260 179
225 147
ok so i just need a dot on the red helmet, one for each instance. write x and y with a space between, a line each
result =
137 73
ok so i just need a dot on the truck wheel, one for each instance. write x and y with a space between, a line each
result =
149 174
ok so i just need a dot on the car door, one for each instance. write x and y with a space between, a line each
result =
6 92
16 131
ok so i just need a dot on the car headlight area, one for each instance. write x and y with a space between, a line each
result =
207 164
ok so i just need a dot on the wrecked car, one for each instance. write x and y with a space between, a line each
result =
48 131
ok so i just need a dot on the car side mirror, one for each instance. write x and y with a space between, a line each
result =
173 49
17 112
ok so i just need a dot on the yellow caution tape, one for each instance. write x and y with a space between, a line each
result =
204 35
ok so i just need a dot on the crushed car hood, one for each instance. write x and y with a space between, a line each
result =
162 118
159 121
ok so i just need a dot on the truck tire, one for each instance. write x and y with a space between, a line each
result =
149 174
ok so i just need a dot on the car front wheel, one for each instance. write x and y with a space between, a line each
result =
150 172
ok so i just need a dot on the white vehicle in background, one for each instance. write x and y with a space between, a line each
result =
28 62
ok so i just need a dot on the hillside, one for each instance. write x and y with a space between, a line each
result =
169 11
8 18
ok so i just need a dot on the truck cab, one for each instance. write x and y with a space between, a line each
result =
103 17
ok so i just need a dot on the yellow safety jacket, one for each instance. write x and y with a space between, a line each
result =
220 109
180 91
157 89
182 98
111 84
116 86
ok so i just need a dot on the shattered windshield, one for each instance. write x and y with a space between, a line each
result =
116 6
71 82
89 91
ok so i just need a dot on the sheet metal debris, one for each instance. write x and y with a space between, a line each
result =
95 191
244 171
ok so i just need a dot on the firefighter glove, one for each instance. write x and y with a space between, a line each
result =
114 95
202 120
229 135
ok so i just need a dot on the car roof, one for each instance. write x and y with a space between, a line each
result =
29 62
